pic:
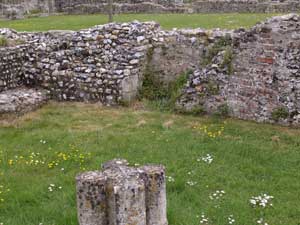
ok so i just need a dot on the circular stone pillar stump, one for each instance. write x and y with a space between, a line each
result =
122 195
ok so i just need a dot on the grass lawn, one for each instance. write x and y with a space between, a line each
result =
167 21
53 144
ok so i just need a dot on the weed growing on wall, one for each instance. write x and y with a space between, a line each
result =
34 11
3 41
175 88
280 113
222 44
222 111
196 110
159 94
153 88
227 60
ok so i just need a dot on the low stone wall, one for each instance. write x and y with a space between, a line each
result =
249 74
101 64
19 8
16 9
91 7
245 6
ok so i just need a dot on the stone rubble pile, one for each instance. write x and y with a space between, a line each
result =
21 100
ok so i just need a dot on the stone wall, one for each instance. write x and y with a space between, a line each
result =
245 6
19 8
11 67
267 70
121 6
249 74
264 83
15 9
101 64
180 51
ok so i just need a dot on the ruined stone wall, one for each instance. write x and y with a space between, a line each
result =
175 54
249 74
267 71
172 6
229 6
264 81
180 51
17 9
245 6
20 8
101 64
122 6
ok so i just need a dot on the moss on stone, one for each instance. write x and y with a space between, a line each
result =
3 41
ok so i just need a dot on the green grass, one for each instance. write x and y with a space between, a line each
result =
249 159
167 21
